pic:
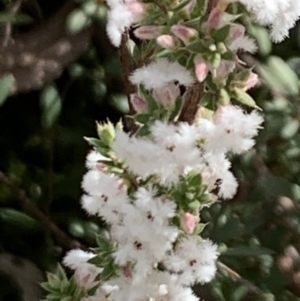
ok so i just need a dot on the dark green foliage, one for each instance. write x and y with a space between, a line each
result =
43 151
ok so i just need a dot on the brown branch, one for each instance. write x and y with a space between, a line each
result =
40 56
34 211
127 67
191 102
195 92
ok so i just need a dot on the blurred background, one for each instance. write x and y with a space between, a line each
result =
58 76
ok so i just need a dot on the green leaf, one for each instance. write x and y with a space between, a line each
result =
46 286
6 84
177 109
261 36
143 131
50 103
224 97
290 129
108 272
280 76
60 272
68 298
14 218
142 118
13 18
196 180
244 98
77 21
197 47
201 7
181 5
247 251
209 101
221 34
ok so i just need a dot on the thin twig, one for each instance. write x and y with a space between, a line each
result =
13 9
32 209
224 269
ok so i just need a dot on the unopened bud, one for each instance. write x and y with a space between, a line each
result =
189 222
166 41
251 81
148 32
185 34
167 95
236 31
214 19
106 132
139 104
201 68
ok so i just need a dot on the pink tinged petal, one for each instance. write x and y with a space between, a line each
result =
217 118
185 34
214 19
136 7
127 272
167 95
251 81
166 41
225 68
201 69
139 104
122 186
101 166
189 222
236 31
148 32
189 8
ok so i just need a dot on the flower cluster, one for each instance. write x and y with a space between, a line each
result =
150 185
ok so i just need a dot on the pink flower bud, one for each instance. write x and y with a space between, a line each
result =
225 68
185 34
139 104
214 19
189 222
189 8
167 95
251 81
166 41
201 68
136 8
148 32
236 31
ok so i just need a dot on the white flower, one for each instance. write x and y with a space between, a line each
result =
280 15
245 43
76 258
85 272
160 73
121 15
234 130
198 258
92 159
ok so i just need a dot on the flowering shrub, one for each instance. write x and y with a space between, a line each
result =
149 184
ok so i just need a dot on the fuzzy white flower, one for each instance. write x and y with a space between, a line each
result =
85 272
160 73
121 15
234 130
280 15
194 259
